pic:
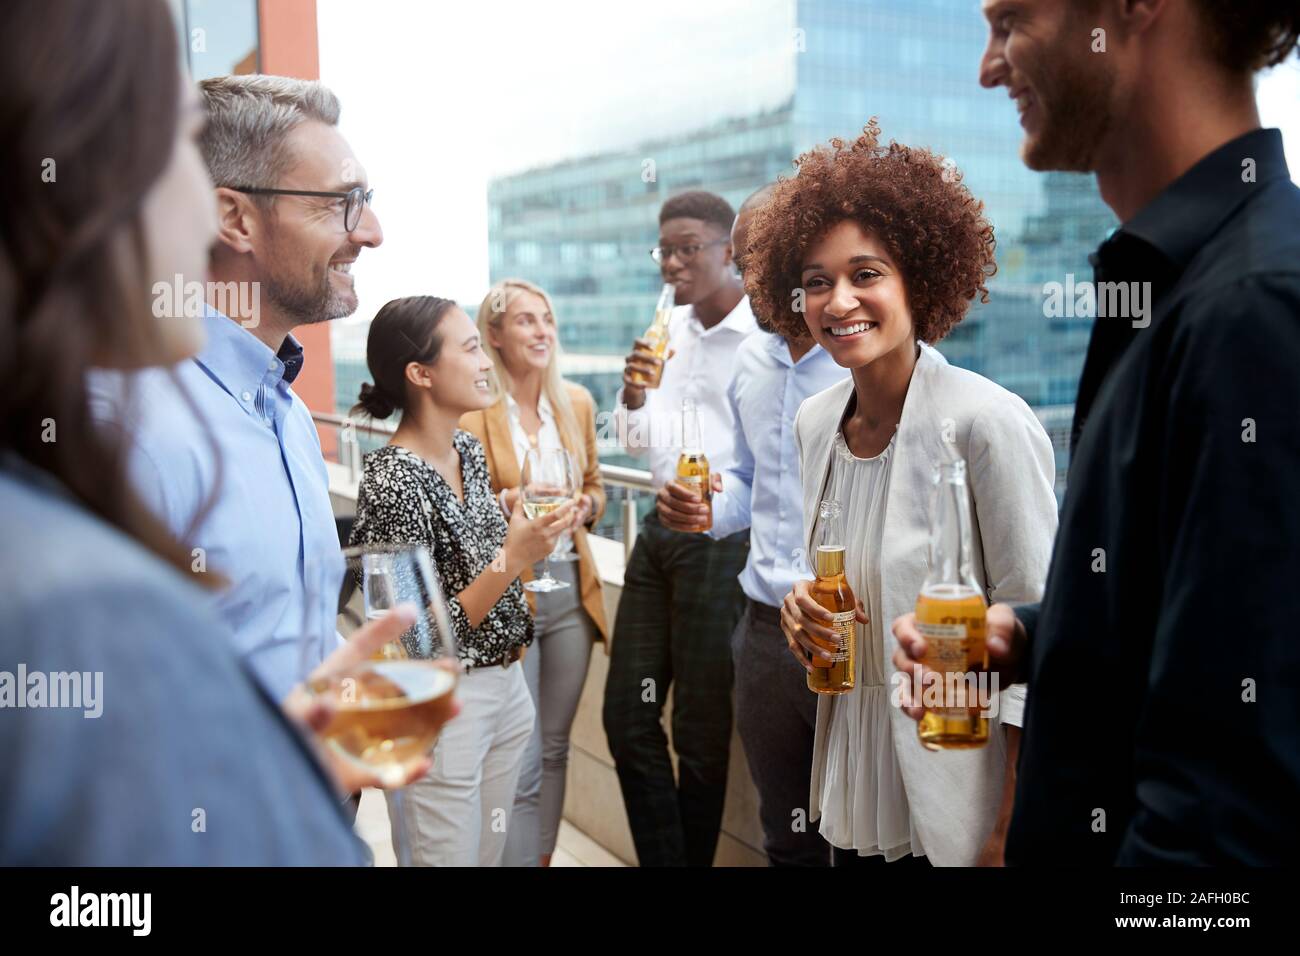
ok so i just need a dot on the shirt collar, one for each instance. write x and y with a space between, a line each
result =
778 349
739 319
1184 216
242 362
543 407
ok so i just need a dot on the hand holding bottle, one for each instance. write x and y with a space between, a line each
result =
680 508
806 625
1008 649
642 365
645 366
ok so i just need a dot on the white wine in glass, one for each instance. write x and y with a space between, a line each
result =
536 507
548 483
386 714
563 550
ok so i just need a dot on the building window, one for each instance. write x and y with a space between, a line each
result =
218 37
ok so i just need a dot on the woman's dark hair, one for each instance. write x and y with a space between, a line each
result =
404 331
89 120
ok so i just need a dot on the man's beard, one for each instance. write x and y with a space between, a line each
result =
1073 114
308 299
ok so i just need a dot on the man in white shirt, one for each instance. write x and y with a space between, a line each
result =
681 597
776 713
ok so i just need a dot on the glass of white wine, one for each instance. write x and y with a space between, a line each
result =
563 550
386 712
548 483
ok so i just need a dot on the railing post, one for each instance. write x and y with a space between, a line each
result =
353 449
629 524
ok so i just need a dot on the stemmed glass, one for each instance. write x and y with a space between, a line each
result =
563 550
379 595
548 483
385 712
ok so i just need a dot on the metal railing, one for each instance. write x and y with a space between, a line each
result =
632 481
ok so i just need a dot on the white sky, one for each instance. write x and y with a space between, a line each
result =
438 97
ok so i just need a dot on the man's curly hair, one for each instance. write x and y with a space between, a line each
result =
932 225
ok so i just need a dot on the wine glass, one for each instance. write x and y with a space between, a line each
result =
379 596
563 550
548 483
385 712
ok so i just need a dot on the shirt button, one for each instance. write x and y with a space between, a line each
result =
271 367
247 396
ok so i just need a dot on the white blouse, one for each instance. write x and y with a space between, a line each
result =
548 436
857 785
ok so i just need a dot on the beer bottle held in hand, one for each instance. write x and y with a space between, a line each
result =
831 590
693 464
657 335
950 613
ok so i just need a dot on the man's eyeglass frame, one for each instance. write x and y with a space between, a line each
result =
366 195
659 256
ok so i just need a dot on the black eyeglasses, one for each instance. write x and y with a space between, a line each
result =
662 254
356 198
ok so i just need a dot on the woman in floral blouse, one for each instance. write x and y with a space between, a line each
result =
430 486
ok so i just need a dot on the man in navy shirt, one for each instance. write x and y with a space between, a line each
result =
1163 724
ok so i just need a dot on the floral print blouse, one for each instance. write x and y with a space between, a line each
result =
403 500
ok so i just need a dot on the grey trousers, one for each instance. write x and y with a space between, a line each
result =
776 717
555 669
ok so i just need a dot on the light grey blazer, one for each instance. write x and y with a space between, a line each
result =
953 795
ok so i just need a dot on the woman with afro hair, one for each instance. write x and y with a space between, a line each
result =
876 253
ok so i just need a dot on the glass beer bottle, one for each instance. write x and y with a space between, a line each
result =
657 335
950 613
831 590
693 464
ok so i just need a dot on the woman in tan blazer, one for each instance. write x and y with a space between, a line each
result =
536 408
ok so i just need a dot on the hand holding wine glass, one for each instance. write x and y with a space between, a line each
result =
379 716
582 514
375 641
529 540
548 488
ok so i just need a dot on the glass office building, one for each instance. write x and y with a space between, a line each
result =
583 228
217 37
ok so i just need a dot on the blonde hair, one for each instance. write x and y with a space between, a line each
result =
491 312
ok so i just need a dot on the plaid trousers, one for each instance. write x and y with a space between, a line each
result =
681 600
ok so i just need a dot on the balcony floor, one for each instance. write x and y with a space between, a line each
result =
575 848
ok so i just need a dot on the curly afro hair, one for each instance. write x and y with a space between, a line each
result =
908 197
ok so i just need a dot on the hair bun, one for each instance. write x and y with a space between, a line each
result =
374 402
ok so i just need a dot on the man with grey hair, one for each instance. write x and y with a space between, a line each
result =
243 481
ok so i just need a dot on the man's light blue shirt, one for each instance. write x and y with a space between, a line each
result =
762 490
270 525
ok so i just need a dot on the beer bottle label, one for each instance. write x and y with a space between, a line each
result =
697 485
946 653
842 624
947 647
